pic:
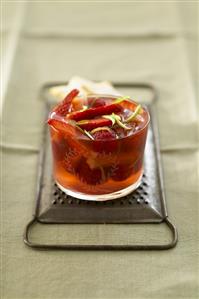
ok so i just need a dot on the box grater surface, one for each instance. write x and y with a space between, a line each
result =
144 205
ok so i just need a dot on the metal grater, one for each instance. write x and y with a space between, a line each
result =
145 205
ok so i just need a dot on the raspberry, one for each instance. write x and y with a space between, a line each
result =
104 134
87 175
98 103
105 141
121 172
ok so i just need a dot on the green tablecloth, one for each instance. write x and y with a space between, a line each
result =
123 42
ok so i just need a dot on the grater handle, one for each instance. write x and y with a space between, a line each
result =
129 247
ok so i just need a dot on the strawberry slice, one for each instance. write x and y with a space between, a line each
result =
93 112
63 107
70 132
62 126
94 123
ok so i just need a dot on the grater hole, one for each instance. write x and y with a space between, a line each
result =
122 202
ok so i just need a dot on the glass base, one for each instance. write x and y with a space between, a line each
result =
102 197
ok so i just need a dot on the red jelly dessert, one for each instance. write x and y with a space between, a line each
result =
98 145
